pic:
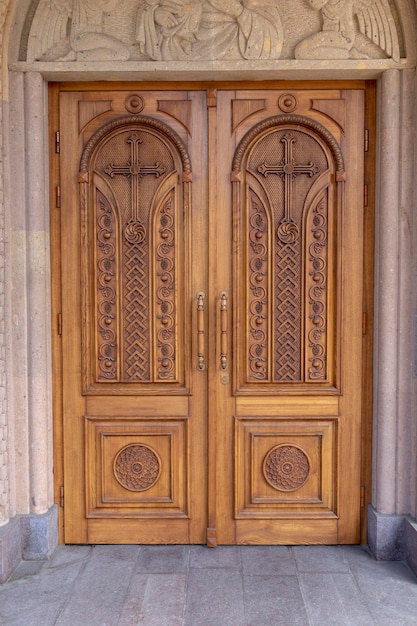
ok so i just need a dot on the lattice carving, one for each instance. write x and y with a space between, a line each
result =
287 313
165 293
137 467
136 312
106 289
286 467
258 290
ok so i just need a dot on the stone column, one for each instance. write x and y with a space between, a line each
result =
38 295
30 449
387 268
394 413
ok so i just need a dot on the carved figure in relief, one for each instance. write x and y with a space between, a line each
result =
355 29
69 30
178 23
171 30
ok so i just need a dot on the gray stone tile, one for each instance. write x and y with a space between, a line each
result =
26 569
357 555
214 598
267 560
325 559
222 556
164 600
354 605
45 615
115 553
132 606
391 583
386 616
323 604
98 595
64 555
34 593
273 600
163 559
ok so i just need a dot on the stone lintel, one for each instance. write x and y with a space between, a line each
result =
212 70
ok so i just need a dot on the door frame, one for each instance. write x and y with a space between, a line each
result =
369 227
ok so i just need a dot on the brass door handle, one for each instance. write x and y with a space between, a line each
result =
223 330
201 359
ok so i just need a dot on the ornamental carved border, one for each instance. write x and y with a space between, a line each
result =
258 269
165 318
317 293
106 290
290 119
136 120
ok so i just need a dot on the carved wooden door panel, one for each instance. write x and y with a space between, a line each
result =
287 452
211 246
134 413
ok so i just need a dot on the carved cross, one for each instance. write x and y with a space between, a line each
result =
288 170
135 170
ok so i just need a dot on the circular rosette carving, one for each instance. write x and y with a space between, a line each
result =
286 467
287 232
134 103
137 467
287 103
135 232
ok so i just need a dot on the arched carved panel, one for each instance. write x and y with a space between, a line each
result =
286 203
132 181
60 31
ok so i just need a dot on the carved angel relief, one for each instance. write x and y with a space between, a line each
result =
354 29
192 30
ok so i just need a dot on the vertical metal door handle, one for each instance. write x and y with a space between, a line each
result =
223 330
201 359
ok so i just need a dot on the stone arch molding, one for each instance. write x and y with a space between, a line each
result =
67 32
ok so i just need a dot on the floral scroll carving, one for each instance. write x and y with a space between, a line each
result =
165 292
258 291
317 293
106 290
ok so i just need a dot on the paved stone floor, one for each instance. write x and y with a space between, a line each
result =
198 586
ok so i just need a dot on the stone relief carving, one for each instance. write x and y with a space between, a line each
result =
175 30
192 30
69 30
355 29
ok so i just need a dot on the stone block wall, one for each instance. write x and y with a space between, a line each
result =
4 484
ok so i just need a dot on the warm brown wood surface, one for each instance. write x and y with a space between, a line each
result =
255 198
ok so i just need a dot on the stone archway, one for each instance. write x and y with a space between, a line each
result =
269 51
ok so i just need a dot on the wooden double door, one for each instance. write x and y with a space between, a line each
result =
210 307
